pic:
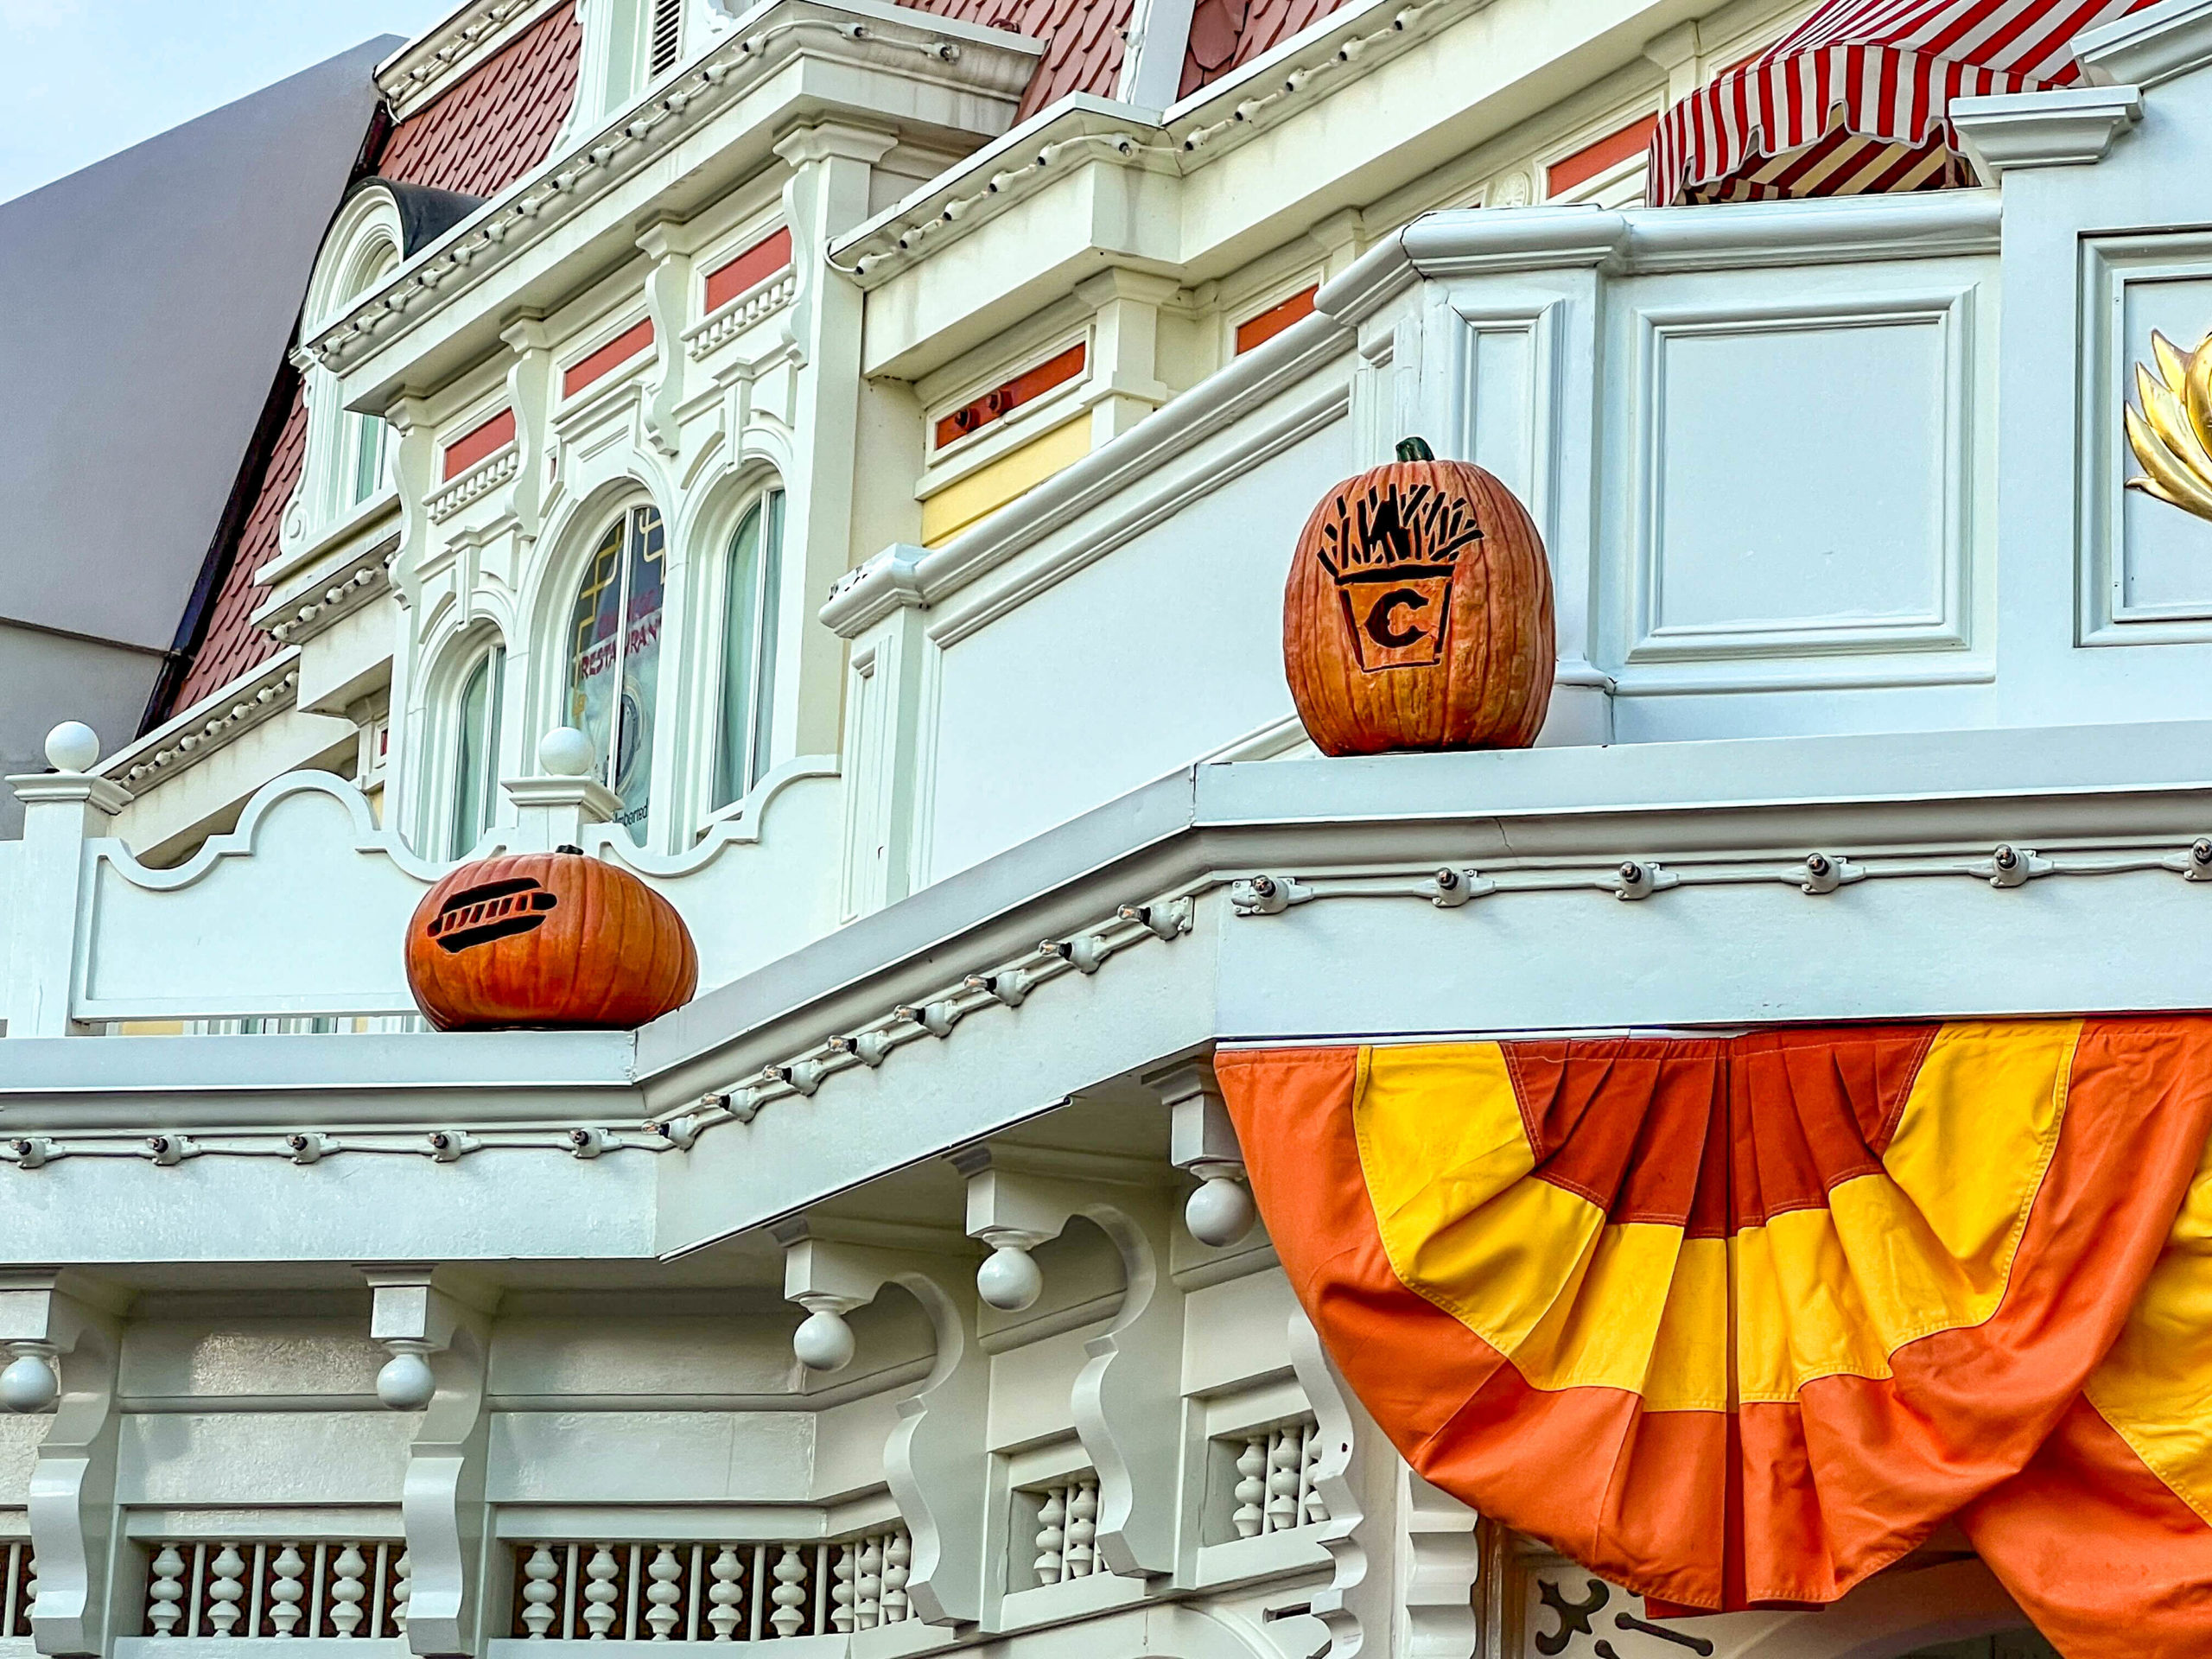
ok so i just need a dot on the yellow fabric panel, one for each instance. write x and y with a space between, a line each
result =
1644 1310
2155 1387
1800 1312
986 489
1977 1134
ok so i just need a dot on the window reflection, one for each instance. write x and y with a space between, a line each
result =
615 658
746 740
476 752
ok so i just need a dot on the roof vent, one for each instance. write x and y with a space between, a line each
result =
668 34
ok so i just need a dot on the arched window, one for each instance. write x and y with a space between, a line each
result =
614 649
476 748
363 461
753 585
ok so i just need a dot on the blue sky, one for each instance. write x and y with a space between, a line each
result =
88 78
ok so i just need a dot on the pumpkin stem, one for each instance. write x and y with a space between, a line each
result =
1416 449
570 847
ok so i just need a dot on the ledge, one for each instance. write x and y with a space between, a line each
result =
2148 46
2070 126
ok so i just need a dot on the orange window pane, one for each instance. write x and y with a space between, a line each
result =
477 442
1001 401
756 265
1276 318
1563 175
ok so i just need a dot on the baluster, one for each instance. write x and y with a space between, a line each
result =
1251 1488
843 1587
1052 1541
868 1605
348 1589
1282 1481
162 1595
662 1593
1083 1519
1317 1506
728 1591
898 1551
378 1581
318 1581
228 1589
539 1591
599 1593
635 1583
790 1593
400 1589
290 1589
695 1585
26 1590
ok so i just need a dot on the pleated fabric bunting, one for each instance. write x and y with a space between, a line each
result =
1738 1321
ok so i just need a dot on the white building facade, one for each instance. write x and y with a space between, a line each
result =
895 483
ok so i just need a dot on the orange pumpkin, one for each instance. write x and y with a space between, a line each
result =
547 939
1417 614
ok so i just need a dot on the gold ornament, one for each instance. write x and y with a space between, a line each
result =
2172 436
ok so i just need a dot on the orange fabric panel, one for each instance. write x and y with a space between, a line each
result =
1783 1502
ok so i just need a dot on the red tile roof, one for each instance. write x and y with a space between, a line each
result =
1082 41
1226 35
488 132
498 123
232 645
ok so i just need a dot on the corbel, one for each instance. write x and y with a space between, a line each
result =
1202 1140
64 1333
1349 1601
1439 1553
935 1462
437 1328
1016 1200
669 242
414 463
530 391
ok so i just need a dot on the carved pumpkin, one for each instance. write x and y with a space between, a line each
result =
1417 614
547 939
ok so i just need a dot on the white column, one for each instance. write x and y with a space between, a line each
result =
62 809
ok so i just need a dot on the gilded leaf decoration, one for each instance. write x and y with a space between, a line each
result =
2171 433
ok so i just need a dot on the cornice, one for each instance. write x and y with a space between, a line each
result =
2148 46
214 722
440 58
859 33
2066 126
1346 48
296 617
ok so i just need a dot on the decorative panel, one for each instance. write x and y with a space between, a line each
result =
2145 567
1802 480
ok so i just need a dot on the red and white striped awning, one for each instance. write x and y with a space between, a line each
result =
1853 100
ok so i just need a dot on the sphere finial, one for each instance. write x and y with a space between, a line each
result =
564 751
72 747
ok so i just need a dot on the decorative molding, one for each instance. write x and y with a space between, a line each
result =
2066 126
438 59
475 483
534 207
721 327
1124 469
294 619
214 722
2147 47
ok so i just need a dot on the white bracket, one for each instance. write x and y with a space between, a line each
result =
438 1330
1202 1140
64 1332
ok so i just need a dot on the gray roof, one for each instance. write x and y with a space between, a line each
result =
150 299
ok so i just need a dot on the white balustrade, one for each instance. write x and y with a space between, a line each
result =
1067 1529
242 1588
614 1591
1275 1490
18 1585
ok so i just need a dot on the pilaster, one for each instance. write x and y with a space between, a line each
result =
62 809
1126 337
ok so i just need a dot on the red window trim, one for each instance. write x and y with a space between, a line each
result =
618 350
1593 159
486 437
770 254
1257 331
1002 400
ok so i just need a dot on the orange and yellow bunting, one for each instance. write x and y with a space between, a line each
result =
1739 1322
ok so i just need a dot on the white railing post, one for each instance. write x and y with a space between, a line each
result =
552 807
62 809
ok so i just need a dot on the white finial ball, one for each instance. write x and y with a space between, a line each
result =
72 746
1220 1212
823 1342
564 751
406 1382
30 1384
1008 1280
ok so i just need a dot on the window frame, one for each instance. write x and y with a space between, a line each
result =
481 659
765 505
